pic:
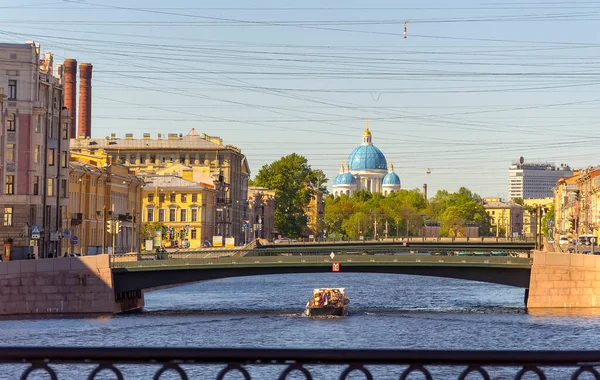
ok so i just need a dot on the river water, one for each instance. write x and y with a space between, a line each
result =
386 312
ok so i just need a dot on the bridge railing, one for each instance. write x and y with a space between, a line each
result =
220 363
345 258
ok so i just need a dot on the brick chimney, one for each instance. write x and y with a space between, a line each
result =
425 191
84 127
70 85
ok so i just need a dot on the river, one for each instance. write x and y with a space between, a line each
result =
386 312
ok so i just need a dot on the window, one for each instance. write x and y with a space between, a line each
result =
12 89
194 198
51 157
163 159
194 234
192 159
8 216
150 215
63 188
64 159
308 209
194 215
132 158
161 197
172 215
9 188
142 158
161 214
36 154
10 152
309 219
36 185
202 159
150 198
183 215
11 123
65 131
50 191
183 198
38 124
181 159
152 158
221 159
172 197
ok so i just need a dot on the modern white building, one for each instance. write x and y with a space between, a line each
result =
366 169
534 180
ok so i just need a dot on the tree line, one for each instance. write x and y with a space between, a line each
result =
403 213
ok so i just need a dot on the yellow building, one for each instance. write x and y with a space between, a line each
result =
506 218
186 208
99 193
530 218
314 211
224 164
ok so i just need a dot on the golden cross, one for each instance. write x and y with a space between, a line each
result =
367 123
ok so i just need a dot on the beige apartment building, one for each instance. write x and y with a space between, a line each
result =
577 204
34 152
261 221
506 218
101 193
224 165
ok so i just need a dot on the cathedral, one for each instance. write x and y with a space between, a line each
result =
366 169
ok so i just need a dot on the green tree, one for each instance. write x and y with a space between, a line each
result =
548 221
149 229
293 181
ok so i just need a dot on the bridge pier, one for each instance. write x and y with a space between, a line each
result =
563 280
69 285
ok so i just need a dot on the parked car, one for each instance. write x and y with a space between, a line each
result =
206 244
563 240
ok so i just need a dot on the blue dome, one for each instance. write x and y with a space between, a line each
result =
367 157
391 179
344 179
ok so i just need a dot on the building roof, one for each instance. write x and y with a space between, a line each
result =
143 144
497 204
168 181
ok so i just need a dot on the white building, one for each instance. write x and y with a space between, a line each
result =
366 169
534 180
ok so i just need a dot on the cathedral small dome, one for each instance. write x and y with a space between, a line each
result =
344 179
391 179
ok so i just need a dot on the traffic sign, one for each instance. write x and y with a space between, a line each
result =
35 236
75 240
67 233
335 267
332 255
35 230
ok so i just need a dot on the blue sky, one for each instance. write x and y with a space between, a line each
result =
474 86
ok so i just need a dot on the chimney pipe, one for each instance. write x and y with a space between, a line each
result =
85 100
70 85
425 191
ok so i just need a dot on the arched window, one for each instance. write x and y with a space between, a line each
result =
347 192
11 123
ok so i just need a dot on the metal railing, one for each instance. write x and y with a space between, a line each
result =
217 363
218 258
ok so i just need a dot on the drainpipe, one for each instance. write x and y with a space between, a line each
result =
43 254
58 215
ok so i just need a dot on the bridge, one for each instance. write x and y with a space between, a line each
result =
139 272
112 284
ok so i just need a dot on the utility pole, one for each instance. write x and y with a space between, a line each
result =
133 229
104 229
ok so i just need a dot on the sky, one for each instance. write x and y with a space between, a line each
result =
474 85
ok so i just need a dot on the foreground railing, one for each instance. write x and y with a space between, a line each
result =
188 363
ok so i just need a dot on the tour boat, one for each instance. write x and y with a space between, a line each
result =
327 302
